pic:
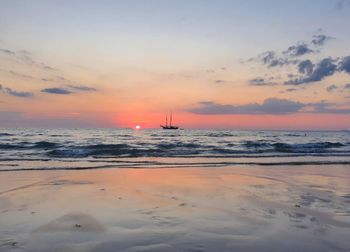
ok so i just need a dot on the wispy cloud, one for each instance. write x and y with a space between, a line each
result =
69 89
331 88
260 81
298 50
7 51
222 81
55 79
18 93
12 92
320 39
272 59
21 75
60 91
68 85
292 54
81 88
25 57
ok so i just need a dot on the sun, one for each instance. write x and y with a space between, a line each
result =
137 127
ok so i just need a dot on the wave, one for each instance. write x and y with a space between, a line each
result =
307 147
45 145
5 134
175 150
178 148
177 145
94 150
75 158
27 145
256 144
11 146
220 134
292 148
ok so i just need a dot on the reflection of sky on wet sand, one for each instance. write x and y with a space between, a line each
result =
217 209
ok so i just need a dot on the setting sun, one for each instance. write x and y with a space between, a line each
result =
137 127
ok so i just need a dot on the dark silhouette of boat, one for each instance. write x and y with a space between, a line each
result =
170 126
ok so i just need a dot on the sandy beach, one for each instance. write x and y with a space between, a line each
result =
238 208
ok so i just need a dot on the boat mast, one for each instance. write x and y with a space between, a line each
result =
171 118
166 121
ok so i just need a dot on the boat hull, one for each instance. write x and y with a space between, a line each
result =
169 127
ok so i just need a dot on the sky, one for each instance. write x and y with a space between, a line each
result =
243 64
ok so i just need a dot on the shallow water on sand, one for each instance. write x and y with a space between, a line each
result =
239 208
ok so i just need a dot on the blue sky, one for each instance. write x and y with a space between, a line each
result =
253 25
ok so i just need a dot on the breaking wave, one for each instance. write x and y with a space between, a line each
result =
173 149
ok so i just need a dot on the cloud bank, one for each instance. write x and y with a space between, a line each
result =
271 106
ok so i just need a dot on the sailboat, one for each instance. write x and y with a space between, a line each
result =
170 126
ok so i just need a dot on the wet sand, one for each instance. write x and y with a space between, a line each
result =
239 208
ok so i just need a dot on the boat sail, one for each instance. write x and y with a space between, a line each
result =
170 126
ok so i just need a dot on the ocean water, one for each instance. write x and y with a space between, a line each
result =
44 149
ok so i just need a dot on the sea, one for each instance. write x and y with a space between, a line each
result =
65 149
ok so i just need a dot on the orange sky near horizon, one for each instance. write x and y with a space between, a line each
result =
240 122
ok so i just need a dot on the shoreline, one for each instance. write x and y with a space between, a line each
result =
13 165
